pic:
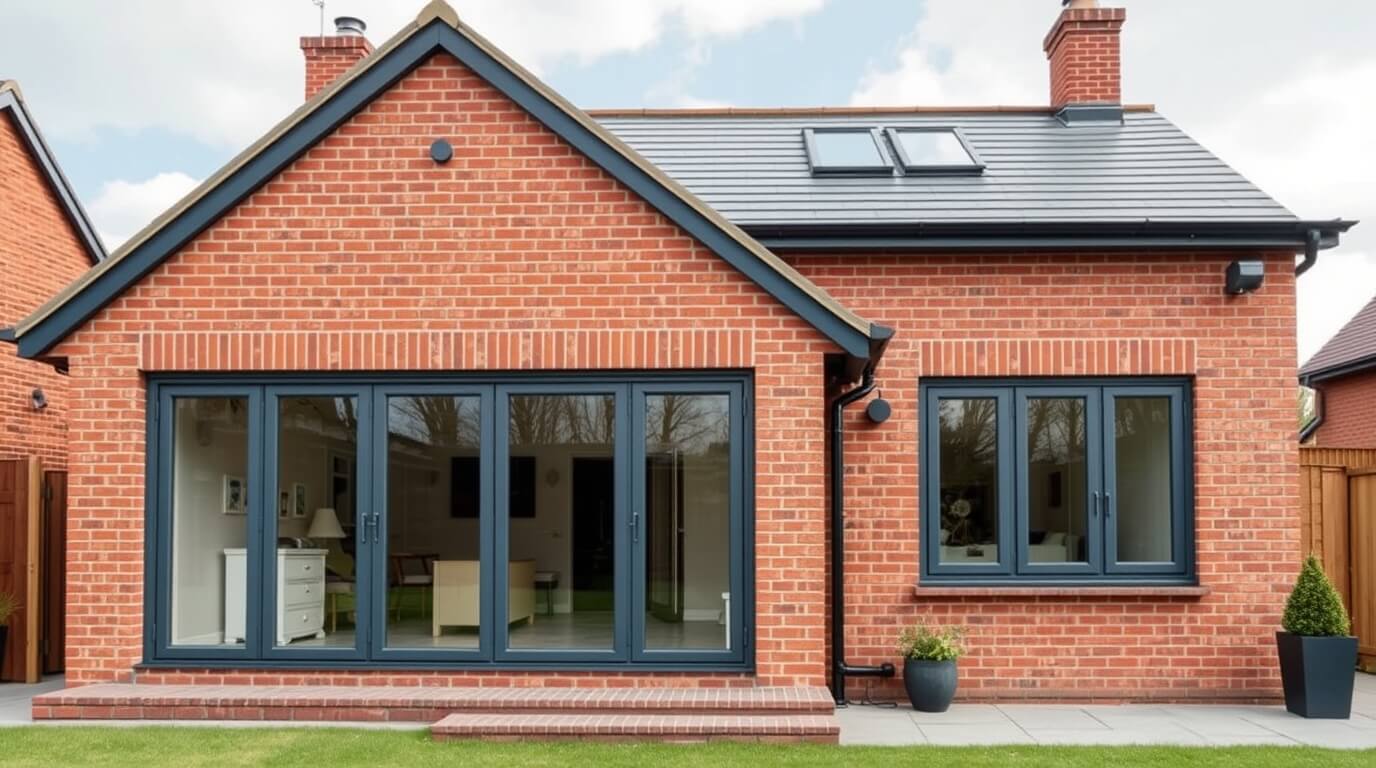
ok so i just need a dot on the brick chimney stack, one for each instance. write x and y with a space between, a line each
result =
330 56
1084 49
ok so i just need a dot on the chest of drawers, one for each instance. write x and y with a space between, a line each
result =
300 594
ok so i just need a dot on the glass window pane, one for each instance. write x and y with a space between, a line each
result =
210 503
933 148
561 510
969 469
1142 502
687 521
434 584
846 149
317 466
1057 481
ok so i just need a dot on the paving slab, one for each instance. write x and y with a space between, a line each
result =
984 734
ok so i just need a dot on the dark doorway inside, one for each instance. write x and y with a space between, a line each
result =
593 539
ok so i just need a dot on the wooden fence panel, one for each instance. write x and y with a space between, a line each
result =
54 569
1362 501
20 481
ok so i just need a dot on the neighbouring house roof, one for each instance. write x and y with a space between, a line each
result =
438 29
1141 178
1352 349
12 103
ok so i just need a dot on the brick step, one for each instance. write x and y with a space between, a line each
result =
415 705
822 729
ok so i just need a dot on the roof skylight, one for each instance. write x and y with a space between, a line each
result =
934 150
846 151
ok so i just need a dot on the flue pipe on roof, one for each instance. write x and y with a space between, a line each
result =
349 26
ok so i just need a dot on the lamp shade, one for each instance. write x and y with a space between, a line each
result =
325 525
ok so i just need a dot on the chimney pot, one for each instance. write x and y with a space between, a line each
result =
349 26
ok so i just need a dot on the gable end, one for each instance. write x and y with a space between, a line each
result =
66 312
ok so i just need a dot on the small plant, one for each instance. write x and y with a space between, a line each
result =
8 605
1314 608
924 643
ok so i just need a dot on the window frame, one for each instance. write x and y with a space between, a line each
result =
1102 570
885 168
374 389
975 167
1004 439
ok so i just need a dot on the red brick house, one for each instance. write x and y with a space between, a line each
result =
446 382
1343 376
46 243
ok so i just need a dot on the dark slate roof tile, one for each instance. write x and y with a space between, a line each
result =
1354 343
753 169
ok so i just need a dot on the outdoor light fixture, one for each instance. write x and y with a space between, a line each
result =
879 410
39 400
1243 277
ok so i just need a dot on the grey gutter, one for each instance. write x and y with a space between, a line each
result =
1359 365
71 206
1309 235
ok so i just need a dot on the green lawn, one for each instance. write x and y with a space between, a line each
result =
335 748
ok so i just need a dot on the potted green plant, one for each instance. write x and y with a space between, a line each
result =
8 605
1317 655
929 665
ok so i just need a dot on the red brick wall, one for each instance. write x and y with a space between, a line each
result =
517 254
1084 48
1065 314
521 255
1349 412
329 57
39 254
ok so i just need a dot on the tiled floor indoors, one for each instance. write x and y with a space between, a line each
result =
1185 725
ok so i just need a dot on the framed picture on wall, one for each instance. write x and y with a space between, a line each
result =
235 495
283 504
298 495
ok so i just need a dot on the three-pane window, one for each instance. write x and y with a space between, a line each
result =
1063 481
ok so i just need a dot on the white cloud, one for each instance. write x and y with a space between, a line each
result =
124 207
224 72
1272 90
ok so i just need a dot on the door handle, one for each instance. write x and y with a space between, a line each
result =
635 526
1094 508
1108 504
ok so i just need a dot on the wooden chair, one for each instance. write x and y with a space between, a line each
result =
410 570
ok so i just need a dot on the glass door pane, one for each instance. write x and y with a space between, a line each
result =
313 583
685 532
1143 501
434 492
1058 478
559 517
210 504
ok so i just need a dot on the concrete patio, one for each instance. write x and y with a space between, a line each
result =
1163 724
976 724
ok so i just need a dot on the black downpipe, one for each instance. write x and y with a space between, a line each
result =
840 669
1311 252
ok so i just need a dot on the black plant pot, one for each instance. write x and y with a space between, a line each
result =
1317 674
930 684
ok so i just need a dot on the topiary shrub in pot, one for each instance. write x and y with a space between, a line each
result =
8 606
1317 656
929 665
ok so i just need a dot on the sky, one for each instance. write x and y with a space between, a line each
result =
142 99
